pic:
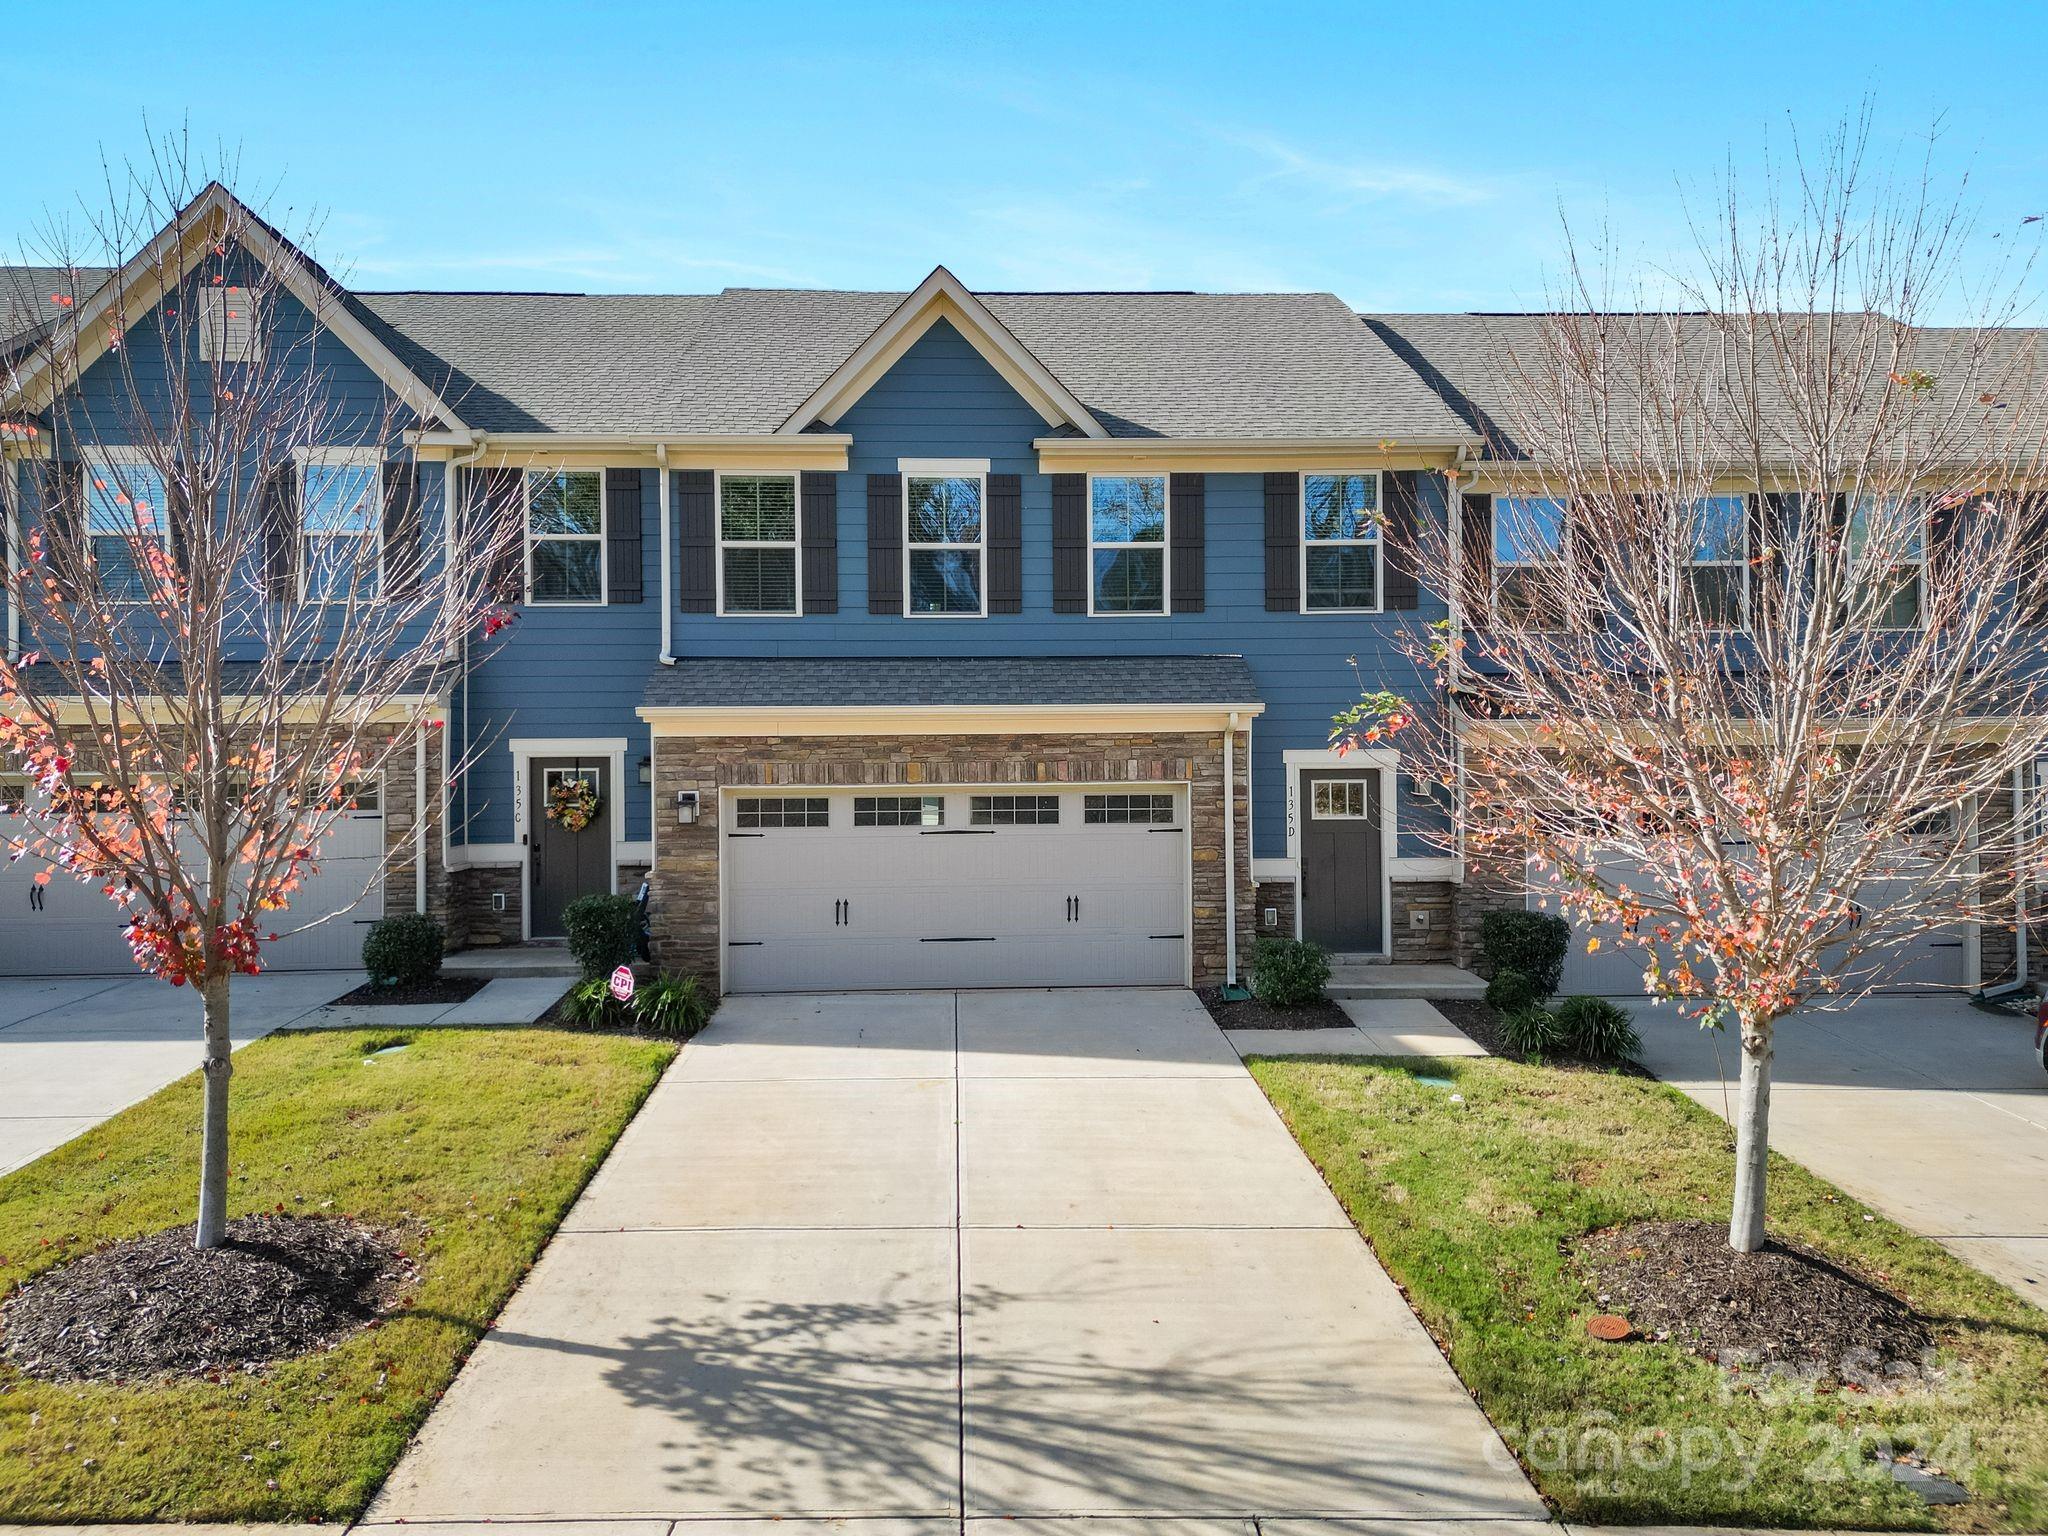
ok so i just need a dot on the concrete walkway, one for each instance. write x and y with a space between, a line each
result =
904 1257
1926 1109
75 1050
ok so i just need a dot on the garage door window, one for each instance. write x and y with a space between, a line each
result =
1340 800
899 811
1014 810
1127 810
784 811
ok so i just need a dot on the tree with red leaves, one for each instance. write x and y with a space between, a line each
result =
1744 670
226 624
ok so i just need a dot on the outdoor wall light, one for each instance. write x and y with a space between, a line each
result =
686 807
646 770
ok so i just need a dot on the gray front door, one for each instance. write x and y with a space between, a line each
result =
567 864
1343 884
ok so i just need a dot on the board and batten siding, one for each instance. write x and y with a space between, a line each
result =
943 400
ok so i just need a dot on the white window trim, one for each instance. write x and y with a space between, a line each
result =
371 458
794 544
1740 565
1164 546
934 470
1377 541
1919 566
116 456
603 534
1497 565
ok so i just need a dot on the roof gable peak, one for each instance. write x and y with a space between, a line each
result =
942 296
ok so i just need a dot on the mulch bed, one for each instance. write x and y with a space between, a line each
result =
1253 1014
442 989
156 1306
1782 1308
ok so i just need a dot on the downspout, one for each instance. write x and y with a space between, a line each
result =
419 816
667 657
2021 878
450 502
1230 852
10 500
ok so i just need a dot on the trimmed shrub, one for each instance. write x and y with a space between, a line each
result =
672 1005
604 933
1530 942
1288 973
403 951
1530 1032
1597 1030
1510 992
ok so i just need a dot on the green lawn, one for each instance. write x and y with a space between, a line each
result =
1472 1205
471 1144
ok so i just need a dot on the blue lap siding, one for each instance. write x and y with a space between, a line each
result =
943 400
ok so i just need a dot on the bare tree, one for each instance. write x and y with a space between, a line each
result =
1742 667
231 619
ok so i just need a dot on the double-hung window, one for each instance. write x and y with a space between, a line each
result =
1340 545
565 536
757 543
1528 543
947 536
1888 559
341 522
1127 543
1717 561
126 507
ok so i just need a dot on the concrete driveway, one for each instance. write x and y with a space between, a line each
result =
1927 1109
74 1050
919 1255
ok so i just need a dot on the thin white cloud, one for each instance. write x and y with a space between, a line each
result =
1353 180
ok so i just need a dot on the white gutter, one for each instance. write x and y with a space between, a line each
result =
479 441
1230 852
667 657
10 516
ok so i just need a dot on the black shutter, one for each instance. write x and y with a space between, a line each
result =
402 553
696 541
1588 558
885 544
281 533
1188 524
1476 533
820 499
1945 535
494 524
1770 523
1005 543
61 509
1283 542
623 515
1401 540
1069 543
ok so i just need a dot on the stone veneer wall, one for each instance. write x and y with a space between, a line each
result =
1436 944
1484 890
1279 895
474 922
685 887
401 785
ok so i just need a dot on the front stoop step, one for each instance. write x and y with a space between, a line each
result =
511 961
1356 979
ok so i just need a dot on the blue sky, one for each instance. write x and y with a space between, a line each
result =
1404 157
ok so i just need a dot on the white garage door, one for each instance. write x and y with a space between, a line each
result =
1928 960
955 888
68 929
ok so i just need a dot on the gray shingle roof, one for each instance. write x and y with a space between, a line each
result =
1491 370
725 682
25 305
1172 365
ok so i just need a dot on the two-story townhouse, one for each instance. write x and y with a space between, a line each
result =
903 639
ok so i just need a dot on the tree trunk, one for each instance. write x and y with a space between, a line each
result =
1752 1142
213 1151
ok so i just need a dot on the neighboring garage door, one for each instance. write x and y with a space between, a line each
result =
1932 959
65 928
955 888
